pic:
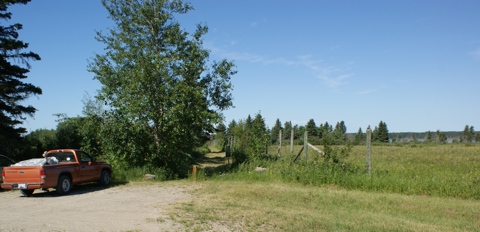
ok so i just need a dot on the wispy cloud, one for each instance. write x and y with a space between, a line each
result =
331 75
366 92
254 24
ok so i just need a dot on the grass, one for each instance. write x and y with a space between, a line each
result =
412 188
278 206
433 170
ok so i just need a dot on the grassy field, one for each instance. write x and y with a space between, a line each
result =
411 188
278 206
432 170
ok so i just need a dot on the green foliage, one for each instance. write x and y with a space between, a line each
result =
68 132
162 96
339 133
360 137
220 136
468 134
311 128
428 137
433 170
250 138
15 65
324 129
38 141
380 133
440 137
275 131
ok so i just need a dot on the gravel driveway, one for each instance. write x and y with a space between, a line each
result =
130 207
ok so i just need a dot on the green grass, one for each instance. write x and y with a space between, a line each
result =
432 170
278 206
412 188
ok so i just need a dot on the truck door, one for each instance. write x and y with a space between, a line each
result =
88 170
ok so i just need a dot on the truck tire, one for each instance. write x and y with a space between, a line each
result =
104 178
27 192
64 185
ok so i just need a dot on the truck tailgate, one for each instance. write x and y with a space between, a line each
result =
23 174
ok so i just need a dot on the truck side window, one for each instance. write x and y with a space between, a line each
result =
84 157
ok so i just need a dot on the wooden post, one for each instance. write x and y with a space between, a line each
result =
369 150
279 143
305 144
291 139
194 172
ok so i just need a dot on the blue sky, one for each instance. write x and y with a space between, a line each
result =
412 64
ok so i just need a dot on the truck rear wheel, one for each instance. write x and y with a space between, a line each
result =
104 178
64 185
27 192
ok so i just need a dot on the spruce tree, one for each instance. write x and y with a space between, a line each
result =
275 131
359 137
14 66
311 128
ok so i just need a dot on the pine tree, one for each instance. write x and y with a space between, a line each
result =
471 134
258 136
359 137
14 66
381 133
465 135
339 133
275 131
287 129
311 128
428 137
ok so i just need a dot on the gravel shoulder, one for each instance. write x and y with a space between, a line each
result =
130 207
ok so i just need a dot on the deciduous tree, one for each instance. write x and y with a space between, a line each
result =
162 92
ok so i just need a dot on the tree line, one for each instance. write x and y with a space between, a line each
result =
252 136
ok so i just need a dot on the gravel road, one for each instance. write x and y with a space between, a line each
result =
92 208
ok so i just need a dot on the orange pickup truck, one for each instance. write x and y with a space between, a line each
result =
60 169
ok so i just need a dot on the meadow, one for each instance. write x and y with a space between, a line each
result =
412 187
451 170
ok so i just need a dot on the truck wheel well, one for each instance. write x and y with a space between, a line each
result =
65 174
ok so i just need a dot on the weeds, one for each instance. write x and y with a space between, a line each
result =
433 170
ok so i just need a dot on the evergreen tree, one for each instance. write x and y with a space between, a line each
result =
339 133
311 128
471 134
359 137
14 66
275 131
440 137
466 135
428 137
230 128
259 137
287 129
324 130
296 132
380 133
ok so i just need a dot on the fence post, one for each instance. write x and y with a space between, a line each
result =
291 139
369 150
279 143
305 142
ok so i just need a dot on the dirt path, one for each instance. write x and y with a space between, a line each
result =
130 207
